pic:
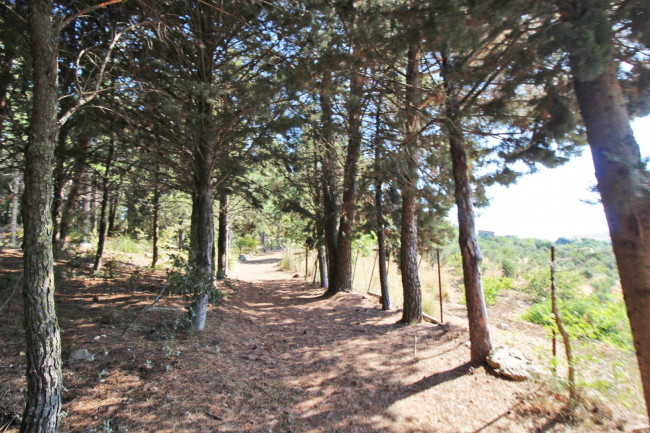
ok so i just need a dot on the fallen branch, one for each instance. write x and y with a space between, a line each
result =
149 307
13 292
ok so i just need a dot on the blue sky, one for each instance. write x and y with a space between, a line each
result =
552 202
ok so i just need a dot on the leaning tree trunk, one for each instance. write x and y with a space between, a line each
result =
623 186
222 249
412 312
101 236
43 341
78 170
479 333
15 207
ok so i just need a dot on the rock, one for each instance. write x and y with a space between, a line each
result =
510 363
504 326
81 355
97 338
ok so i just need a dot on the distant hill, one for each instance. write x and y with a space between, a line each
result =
603 237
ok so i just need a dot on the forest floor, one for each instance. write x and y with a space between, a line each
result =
274 357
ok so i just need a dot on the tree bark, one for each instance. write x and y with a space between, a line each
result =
201 248
112 211
341 278
154 229
412 312
59 180
381 223
78 170
43 341
101 236
88 198
479 333
322 266
15 207
623 186
329 165
222 250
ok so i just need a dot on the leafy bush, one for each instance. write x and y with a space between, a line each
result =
566 283
587 318
246 243
491 288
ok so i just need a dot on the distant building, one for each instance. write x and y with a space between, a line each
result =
485 234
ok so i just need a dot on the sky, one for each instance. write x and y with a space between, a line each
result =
552 202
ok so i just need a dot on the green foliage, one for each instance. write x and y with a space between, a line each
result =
509 267
127 245
567 284
491 288
587 318
246 243
364 244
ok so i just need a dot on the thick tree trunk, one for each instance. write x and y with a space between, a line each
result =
222 252
341 278
101 236
88 198
623 186
13 228
202 248
479 333
412 312
329 166
43 342
73 193
154 229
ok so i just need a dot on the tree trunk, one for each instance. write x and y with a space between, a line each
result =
154 229
66 218
623 186
222 253
479 333
329 165
112 212
43 342
59 181
381 223
412 313
101 240
88 197
15 207
322 266
341 278
201 250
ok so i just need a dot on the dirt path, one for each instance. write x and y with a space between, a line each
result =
276 358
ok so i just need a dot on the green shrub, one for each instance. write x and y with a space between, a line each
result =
127 245
567 283
509 267
491 288
246 244
587 318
